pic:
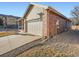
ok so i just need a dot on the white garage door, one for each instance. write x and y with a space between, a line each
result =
35 28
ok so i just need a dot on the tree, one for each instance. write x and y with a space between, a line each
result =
1 21
75 15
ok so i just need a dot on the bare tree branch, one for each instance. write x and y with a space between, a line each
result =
75 14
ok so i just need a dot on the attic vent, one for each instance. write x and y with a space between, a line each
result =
41 15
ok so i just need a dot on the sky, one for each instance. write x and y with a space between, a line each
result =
18 8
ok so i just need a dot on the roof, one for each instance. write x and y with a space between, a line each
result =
20 19
45 7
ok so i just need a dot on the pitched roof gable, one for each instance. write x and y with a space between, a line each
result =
43 6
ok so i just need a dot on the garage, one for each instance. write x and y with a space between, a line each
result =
35 27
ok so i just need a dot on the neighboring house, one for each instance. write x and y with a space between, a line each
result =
9 21
43 20
75 27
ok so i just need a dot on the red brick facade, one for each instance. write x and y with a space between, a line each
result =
49 23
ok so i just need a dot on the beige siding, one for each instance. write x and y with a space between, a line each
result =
34 13
34 21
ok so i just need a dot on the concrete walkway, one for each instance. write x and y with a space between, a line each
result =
14 41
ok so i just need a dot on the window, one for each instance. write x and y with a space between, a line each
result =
57 23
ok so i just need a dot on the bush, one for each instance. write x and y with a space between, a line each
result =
1 26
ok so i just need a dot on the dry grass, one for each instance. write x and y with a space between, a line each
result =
46 51
6 33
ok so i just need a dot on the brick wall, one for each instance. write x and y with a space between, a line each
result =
52 27
45 22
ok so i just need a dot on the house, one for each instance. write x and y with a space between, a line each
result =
43 20
9 21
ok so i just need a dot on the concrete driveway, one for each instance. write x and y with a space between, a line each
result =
13 41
